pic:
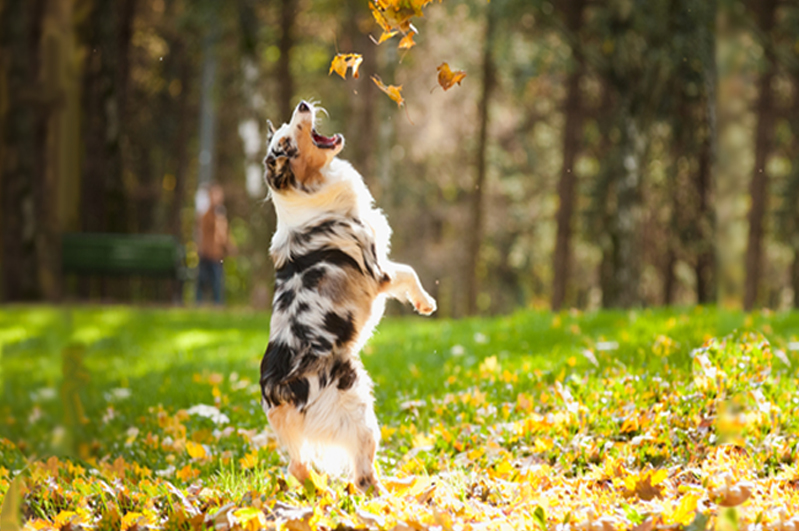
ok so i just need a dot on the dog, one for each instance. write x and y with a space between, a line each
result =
333 275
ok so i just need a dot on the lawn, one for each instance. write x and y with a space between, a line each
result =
113 417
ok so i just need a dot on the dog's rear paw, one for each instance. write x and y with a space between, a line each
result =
425 305
370 485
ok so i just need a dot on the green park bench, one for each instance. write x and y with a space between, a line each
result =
144 255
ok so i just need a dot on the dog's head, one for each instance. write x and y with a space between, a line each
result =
296 153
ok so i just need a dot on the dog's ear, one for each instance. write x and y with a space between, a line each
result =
270 131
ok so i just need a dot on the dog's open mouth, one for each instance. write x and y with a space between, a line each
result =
325 142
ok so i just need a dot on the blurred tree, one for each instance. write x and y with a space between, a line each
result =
764 17
690 111
26 105
107 34
572 13
475 233
288 16
632 62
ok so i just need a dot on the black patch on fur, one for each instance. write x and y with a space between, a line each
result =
322 345
326 227
275 367
344 372
285 299
343 329
302 308
301 331
312 277
299 391
296 265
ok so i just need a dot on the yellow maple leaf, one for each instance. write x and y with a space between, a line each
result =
659 477
250 518
249 460
196 450
130 520
392 91
447 78
685 511
319 480
342 61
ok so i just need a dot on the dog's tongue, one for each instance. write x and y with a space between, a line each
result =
322 140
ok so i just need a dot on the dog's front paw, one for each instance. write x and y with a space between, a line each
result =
425 304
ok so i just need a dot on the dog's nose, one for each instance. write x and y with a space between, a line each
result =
303 107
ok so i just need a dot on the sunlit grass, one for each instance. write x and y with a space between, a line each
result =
475 403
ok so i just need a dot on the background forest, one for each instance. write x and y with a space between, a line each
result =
599 153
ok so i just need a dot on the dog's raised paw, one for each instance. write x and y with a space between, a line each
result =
425 306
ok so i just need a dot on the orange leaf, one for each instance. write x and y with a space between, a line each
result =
386 36
392 91
407 42
447 78
342 61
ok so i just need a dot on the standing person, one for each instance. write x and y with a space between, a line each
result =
214 245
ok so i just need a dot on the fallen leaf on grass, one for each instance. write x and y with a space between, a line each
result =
250 518
342 61
392 91
196 450
447 78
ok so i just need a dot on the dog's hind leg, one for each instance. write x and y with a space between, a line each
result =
344 417
288 425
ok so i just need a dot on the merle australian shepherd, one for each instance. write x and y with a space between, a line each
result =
333 275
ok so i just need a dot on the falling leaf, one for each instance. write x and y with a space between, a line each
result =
447 78
386 36
407 42
392 91
342 61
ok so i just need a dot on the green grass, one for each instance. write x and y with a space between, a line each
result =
93 382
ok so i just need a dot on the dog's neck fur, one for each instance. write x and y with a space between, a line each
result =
343 194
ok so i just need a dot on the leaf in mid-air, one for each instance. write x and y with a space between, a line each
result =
342 61
386 36
393 92
447 78
407 42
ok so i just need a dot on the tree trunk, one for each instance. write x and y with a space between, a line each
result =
181 141
758 190
24 142
361 130
572 130
103 200
795 278
207 155
705 267
626 276
475 235
288 14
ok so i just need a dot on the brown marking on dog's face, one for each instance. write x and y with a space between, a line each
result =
306 166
